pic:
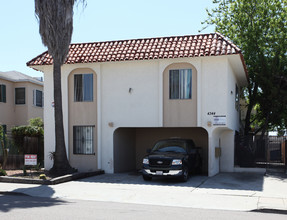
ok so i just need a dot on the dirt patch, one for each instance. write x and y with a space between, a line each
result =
31 174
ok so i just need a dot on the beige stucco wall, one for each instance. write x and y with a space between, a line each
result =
82 113
179 112
26 111
8 109
15 115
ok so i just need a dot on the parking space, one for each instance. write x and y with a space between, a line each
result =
135 178
130 145
226 190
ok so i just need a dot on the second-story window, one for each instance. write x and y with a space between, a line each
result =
38 98
20 96
2 93
237 97
180 84
83 87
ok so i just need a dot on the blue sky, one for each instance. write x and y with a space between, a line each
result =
100 21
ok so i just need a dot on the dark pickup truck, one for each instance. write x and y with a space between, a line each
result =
172 158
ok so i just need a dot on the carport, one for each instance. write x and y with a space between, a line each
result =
130 144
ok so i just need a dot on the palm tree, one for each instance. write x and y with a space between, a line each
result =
56 27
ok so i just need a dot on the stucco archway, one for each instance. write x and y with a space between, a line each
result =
130 144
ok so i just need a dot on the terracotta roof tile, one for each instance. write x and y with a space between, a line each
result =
213 44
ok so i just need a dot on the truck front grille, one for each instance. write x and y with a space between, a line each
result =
157 162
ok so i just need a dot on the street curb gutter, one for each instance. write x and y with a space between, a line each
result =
271 211
54 181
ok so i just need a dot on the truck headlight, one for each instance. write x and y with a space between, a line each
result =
176 162
145 161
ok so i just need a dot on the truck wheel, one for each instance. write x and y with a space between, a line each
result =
185 175
147 178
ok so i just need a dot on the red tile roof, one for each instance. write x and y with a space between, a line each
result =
200 45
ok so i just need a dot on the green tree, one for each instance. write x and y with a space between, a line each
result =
259 28
2 137
3 147
56 27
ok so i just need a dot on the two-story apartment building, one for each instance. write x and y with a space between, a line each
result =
21 98
120 97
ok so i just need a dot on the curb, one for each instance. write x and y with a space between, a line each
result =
13 193
54 181
271 211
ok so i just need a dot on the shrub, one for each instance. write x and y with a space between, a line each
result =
27 130
37 122
52 155
34 129
3 172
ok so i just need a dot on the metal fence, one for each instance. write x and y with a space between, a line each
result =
258 151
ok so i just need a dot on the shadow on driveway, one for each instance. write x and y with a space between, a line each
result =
236 181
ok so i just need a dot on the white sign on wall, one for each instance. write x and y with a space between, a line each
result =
219 120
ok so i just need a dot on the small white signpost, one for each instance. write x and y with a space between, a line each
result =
30 160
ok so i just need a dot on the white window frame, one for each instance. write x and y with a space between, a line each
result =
35 98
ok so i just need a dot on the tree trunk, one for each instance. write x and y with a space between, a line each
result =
252 94
61 163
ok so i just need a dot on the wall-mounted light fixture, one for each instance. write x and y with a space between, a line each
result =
130 90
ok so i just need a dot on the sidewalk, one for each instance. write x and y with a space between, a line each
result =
226 191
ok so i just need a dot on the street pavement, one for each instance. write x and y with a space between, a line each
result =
28 207
225 191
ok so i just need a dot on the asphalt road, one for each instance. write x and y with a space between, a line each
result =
27 207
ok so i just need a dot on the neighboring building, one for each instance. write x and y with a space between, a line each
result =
120 97
21 98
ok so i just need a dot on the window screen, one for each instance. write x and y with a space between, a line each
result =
83 87
180 84
19 96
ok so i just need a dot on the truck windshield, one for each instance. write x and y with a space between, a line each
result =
166 146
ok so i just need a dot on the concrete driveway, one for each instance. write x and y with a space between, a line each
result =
227 191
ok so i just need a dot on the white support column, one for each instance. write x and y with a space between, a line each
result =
99 116
160 96
199 96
